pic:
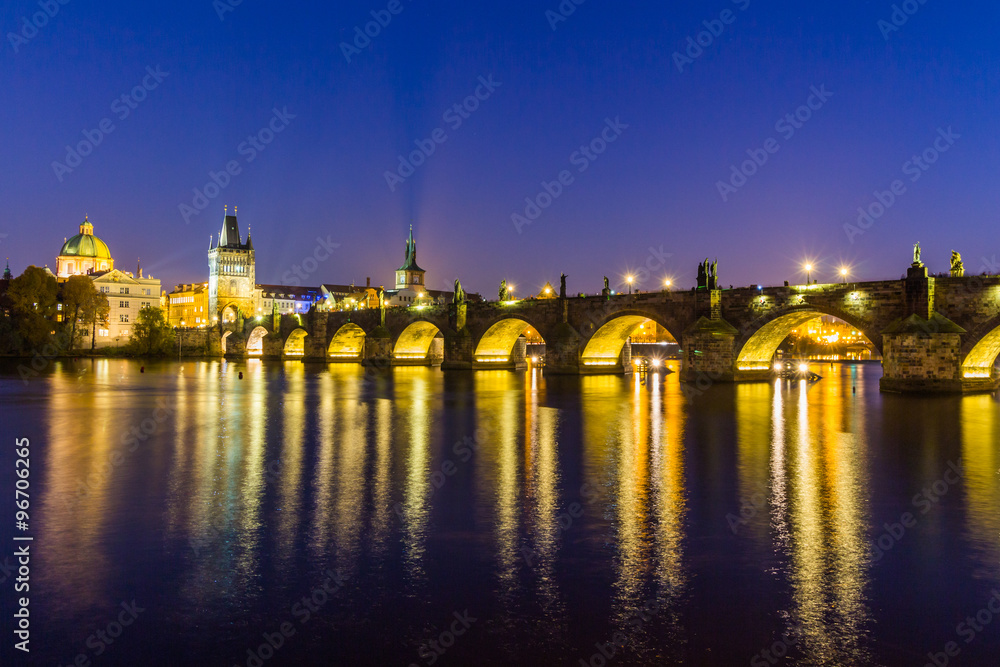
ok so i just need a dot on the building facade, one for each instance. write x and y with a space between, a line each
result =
126 295
187 306
231 274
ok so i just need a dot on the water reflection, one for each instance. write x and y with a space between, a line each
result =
981 461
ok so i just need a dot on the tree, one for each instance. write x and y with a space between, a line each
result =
82 301
32 297
151 335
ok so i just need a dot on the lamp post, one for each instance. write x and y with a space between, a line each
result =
180 336
808 268
629 281
843 274
667 283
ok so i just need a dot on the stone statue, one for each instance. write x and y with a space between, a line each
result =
606 285
459 297
916 254
702 276
381 306
562 286
715 270
504 292
957 265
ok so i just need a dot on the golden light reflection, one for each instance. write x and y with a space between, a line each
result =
981 460
416 493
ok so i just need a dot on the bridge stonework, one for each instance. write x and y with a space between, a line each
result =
934 334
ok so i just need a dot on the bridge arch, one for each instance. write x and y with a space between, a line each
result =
982 354
605 346
757 350
498 341
255 342
414 342
225 340
348 343
229 313
295 344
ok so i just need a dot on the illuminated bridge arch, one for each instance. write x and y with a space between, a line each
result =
414 342
295 344
255 342
980 359
497 343
759 349
605 347
348 343
225 340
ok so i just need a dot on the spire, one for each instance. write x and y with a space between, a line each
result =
6 272
138 266
230 236
410 261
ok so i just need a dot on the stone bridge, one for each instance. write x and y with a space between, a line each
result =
934 334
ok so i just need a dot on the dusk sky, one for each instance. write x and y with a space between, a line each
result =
887 96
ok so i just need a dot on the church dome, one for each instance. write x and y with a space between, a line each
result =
85 244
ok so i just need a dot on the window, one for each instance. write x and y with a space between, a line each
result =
123 318
124 332
123 290
59 306
123 304
102 332
146 291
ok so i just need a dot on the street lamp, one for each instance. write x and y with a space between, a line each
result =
808 268
843 273
629 281
667 282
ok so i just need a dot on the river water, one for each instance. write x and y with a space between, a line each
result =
325 515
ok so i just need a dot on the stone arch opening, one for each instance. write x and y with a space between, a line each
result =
229 313
348 343
225 340
295 344
415 342
757 354
497 345
605 347
981 360
255 343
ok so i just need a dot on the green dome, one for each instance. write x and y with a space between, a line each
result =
85 244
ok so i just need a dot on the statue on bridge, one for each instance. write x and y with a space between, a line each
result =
957 265
504 292
916 254
562 286
381 305
606 292
708 274
459 297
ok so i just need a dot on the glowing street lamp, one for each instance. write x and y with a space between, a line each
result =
667 282
843 273
808 269
629 281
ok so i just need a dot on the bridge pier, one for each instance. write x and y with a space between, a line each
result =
709 350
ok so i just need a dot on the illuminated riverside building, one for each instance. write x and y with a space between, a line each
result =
231 274
188 306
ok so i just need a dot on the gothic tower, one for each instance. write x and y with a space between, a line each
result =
231 273
410 276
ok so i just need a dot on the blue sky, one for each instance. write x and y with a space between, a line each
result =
891 93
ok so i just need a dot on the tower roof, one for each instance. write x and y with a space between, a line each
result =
410 263
229 237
